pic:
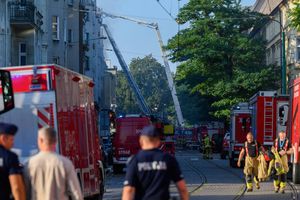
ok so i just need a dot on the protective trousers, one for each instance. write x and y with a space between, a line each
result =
207 148
251 171
281 179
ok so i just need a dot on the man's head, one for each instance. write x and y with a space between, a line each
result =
249 137
7 135
47 139
149 138
282 135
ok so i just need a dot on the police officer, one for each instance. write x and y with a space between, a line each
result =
283 147
251 148
11 180
150 172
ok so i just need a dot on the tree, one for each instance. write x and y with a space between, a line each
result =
150 76
220 59
295 16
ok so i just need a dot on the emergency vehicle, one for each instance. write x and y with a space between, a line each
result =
50 95
294 128
269 116
126 138
240 125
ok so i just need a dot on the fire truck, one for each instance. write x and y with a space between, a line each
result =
126 138
50 95
240 125
294 128
269 116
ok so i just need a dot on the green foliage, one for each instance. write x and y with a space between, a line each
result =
220 60
151 78
295 16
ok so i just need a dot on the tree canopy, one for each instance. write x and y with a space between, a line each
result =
150 77
219 59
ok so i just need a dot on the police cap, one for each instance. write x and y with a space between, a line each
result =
8 129
150 131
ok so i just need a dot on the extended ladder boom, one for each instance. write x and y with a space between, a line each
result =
141 101
164 56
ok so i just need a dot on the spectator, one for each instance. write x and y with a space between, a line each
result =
50 176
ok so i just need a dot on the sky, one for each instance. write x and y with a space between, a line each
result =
135 40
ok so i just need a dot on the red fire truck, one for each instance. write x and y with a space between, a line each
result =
240 122
126 138
269 116
49 95
294 128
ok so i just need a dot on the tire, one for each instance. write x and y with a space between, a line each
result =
117 169
232 162
223 156
296 173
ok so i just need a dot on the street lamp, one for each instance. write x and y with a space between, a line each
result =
283 58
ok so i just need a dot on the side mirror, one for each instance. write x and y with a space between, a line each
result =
6 92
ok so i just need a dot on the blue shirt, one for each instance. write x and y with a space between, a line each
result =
150 172
9 165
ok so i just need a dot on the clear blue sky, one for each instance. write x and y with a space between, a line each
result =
135 40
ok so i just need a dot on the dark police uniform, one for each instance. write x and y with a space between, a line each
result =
9 163
150 173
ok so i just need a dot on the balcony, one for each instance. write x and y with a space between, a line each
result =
24 15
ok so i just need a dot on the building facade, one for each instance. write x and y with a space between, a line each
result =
63 32
278 10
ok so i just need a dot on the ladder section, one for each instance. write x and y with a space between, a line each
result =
268 119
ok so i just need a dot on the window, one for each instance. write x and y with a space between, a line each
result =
87 38
55 28
22 54
70 36
87 63
298 50
56 60
70 2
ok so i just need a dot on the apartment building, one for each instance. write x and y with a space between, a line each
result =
278 10
64 32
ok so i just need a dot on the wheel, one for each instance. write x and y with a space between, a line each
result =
117 169
296 173
223 156
232 162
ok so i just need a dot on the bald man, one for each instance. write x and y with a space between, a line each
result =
49 175
251 149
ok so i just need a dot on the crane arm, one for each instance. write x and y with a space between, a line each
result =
141 101
164 57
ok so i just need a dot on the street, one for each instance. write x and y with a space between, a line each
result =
209 180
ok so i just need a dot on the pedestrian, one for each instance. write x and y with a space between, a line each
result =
11 180
251 148
282 147
150 172
48 175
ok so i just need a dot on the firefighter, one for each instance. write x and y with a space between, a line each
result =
282 147
251 148
207 147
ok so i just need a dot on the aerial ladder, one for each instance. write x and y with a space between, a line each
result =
141 101
171 84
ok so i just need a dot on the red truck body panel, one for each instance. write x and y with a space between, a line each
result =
267 108
295 119
71 111
126 138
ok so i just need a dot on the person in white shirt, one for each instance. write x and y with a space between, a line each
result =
48 175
